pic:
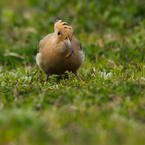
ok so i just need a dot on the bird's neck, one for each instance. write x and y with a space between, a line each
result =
60 45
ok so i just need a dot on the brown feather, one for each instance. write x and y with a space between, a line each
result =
54 56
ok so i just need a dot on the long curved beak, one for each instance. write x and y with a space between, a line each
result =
70 46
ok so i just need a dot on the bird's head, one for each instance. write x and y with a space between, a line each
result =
64 32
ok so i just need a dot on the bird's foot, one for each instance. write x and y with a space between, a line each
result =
79 78
46 78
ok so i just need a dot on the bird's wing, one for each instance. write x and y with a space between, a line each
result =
43 42
75 42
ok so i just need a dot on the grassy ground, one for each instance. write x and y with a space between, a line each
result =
106 108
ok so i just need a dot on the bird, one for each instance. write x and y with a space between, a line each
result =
60 51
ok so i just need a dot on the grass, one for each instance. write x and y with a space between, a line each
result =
106 107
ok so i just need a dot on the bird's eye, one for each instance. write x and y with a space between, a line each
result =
58 33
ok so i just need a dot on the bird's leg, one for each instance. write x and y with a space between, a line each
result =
79 78
46 77
76 74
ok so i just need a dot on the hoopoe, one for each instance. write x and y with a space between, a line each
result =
60 51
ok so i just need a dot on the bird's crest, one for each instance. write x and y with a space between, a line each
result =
63 24
63 27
